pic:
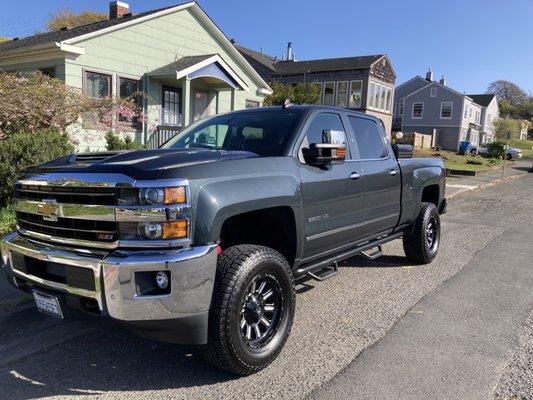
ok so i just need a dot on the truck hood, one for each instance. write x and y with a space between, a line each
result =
141 165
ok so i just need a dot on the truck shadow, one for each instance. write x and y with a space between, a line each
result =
107 359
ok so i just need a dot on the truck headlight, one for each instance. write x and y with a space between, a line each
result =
163 196
164 230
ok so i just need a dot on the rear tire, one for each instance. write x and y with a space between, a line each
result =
421 242
252 309
509 156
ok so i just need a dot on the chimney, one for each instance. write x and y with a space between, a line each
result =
442 80
290 56
429 75
118 9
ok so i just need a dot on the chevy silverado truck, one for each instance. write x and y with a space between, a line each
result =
203 240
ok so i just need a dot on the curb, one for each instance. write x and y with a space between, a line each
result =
491 183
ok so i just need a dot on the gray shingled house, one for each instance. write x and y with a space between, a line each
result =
363 83
431 107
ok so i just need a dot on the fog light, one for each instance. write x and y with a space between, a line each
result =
153 230
161 279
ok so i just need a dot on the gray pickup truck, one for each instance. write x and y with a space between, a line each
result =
203 240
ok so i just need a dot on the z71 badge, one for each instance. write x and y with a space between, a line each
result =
318 218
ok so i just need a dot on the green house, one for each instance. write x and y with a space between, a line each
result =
176 55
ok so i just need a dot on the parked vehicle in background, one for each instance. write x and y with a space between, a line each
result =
201 241
512 153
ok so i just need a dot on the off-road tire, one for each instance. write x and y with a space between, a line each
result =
237 267
415 240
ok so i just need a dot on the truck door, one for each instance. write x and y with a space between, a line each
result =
381 176
332 194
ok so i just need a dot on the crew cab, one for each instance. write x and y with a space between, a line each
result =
203 240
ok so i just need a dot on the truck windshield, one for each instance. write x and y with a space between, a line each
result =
262 132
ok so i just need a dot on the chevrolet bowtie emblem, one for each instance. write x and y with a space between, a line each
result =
50 210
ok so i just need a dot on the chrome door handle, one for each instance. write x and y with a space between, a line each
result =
355 175
394 172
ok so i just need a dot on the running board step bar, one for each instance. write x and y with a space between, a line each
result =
325 273
327 261
372 256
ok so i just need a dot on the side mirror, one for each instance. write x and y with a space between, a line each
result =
331 150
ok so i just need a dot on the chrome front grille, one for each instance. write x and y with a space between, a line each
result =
104 196
70 228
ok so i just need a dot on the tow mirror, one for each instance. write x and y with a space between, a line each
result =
331 150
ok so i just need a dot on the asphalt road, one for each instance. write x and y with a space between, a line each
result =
457 328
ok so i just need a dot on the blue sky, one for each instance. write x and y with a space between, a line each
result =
472 42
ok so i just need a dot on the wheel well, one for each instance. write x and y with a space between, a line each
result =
430 194
272 227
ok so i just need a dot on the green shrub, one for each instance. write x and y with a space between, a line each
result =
21 150
115 142
8 221
496 149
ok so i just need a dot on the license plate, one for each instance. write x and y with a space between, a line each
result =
48 305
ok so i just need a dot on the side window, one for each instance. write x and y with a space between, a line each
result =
368 138
321 122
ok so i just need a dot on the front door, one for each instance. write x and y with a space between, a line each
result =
381 176
171 106
332 195
202 101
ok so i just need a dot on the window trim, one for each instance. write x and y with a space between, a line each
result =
433 91
370 99
350 94
441 108
162 104
413 110
387 149
346 95
334 94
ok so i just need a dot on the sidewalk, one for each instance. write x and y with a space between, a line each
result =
456 184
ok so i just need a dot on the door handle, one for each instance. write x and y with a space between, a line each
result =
393 172
355 176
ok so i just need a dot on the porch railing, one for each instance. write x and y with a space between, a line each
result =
161 135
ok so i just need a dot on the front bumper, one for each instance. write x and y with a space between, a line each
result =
180 316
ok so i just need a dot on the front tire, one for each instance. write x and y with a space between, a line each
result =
421 242
252 309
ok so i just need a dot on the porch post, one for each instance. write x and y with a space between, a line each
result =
233 99
186 101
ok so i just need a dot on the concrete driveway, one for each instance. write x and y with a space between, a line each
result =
382 329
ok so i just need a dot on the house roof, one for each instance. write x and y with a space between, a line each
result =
284 67
266 60
324 65
482 99
62 35
181 64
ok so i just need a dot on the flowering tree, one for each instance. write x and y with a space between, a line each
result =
34 102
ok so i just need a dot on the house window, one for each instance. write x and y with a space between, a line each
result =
171 106
356 92
478 118
130 89
433 92
50 71
342 94
400 108
446 108
466 112
418 110
252 104
329 94
97 85
370 96
388 100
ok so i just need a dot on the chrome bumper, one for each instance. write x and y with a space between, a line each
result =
192 277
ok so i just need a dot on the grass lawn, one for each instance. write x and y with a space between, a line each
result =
7 220
455 161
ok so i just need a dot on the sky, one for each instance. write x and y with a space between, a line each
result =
471 42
